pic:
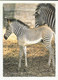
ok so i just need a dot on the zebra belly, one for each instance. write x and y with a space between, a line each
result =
24 42
28 42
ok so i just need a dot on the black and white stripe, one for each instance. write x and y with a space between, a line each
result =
45 14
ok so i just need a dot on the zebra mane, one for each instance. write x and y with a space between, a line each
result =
13 19
45 5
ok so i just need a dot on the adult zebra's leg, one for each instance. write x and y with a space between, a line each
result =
20 56
25 55
47 43
51 55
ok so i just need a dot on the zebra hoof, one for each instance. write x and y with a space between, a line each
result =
49 64
53 68
19 68
26 65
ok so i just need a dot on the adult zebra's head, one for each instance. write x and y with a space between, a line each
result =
45 14
8 30
39 19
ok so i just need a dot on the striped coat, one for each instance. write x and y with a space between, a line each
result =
45 14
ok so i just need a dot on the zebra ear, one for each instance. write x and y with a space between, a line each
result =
38 12
34 14
8 21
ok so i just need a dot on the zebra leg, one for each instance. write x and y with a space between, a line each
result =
25 55
20 56
47 38
51 55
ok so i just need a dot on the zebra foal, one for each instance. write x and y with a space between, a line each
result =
27 36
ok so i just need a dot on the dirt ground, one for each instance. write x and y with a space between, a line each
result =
37 60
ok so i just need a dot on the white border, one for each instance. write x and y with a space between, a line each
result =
1 43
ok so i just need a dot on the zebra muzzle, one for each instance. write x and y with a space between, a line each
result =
5 37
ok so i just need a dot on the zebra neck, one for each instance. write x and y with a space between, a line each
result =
17 31
17 28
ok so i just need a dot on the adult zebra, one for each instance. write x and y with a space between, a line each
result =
45 14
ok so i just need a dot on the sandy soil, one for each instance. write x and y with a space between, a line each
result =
37 59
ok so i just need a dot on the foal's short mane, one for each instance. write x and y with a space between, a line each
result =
12 20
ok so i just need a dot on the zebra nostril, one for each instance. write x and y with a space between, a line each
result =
5 37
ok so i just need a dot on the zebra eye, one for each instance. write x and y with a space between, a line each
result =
7 29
